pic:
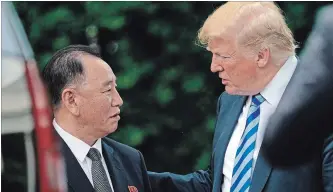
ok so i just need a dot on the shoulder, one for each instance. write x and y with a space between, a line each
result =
324 15
122 149
324 21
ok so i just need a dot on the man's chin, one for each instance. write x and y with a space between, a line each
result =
110 129
230 90
113 128
234 91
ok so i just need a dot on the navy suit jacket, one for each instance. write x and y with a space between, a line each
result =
125 165
314 176
304 117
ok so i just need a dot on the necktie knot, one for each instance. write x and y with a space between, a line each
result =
94 154
257 99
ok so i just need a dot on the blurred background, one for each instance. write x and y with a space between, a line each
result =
163 77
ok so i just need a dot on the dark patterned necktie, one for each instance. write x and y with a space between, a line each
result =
100 180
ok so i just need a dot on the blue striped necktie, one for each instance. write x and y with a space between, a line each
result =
242 172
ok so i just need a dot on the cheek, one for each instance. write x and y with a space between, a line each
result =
232 70
98 107
105 105
93 107
240 73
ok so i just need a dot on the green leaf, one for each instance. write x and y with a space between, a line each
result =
95 8
152 129
146 68
166 31
43 59
173 48
151 8
60 42
35 32
92 31
123 44
136 136
118 6
182 6
295 15
171 74
130 134
164 94
159 28
127 80
132 74
112 22
55 16
154 27
193 83
210 123
203 161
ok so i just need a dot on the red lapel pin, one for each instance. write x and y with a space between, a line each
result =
132 189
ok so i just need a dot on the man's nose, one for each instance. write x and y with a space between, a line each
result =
214 67
117 100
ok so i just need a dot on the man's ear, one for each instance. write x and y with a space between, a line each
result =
69 97
263 57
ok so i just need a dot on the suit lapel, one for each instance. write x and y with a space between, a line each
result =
76 178
263 169
261 173
115 168
226 123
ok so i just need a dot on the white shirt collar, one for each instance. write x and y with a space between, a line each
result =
78 147
276 87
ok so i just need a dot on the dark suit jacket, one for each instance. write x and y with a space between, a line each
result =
125 165
304 116
314 176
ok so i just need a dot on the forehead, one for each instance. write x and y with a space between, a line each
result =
219 44
97 70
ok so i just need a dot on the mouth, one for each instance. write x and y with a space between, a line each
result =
116 115
224 81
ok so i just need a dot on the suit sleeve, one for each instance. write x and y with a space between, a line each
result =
328 164
164 182
145 178
200 181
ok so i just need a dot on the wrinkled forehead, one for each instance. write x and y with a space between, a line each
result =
225 43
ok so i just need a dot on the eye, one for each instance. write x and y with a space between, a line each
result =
222 57
109 90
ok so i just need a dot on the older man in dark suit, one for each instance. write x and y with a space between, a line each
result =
254 55
86 107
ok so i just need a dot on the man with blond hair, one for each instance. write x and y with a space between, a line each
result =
253 52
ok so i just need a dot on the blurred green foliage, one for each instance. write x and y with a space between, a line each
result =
168 90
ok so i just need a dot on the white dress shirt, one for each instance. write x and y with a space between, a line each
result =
272 94
80 150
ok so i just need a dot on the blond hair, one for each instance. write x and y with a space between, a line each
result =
254 25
